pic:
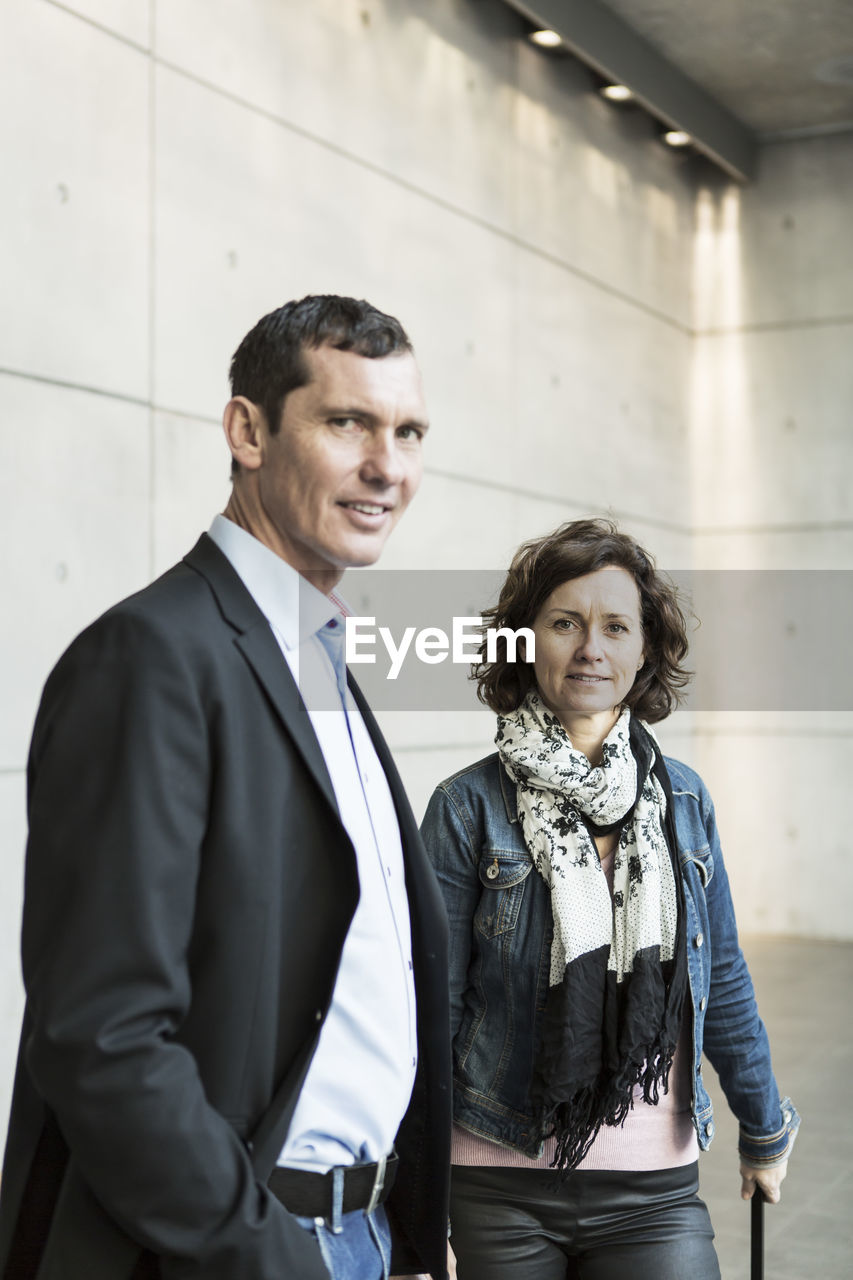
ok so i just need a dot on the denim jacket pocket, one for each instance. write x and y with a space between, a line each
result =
503 875
703 860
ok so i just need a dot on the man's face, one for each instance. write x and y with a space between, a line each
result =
345 462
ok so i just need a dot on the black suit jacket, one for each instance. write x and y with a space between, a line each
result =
189 886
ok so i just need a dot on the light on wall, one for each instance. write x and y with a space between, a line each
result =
616 92
677 138
546 39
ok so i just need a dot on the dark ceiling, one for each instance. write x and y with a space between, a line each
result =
780 66
728 74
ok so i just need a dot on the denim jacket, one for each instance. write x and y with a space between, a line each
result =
500 944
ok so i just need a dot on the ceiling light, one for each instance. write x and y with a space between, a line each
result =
546 39
677 138
616 92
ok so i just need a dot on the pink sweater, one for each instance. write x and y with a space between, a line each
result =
660 1137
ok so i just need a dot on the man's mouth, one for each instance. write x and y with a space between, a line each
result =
366 508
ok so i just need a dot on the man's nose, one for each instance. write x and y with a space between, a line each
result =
383 461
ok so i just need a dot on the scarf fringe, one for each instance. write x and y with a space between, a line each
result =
576 1122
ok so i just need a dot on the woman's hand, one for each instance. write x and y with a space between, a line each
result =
769 1180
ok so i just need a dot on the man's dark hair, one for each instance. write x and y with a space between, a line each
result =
571 551
269 363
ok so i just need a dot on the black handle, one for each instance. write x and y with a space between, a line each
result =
756 1252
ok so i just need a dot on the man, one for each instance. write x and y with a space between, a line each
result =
233 946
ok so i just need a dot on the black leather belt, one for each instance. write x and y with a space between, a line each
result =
309 1195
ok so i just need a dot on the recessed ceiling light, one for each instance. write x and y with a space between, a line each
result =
616 92
677 138
546 39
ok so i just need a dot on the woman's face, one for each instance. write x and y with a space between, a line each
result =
589 647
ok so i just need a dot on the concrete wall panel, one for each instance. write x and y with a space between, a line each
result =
422 90
191 483
74 489
129 19
788 861
784 252
600 397
75 251
771 419
781 547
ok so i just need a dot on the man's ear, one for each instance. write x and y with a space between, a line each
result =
244 424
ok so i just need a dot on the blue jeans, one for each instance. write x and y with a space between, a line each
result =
357 1247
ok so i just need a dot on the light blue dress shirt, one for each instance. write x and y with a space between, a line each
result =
360 1079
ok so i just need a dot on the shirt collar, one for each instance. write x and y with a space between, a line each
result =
293 607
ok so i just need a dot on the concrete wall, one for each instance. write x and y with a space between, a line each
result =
772 484
181 168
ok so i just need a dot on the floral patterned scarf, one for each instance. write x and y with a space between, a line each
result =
618 965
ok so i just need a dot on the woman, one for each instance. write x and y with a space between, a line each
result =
594 952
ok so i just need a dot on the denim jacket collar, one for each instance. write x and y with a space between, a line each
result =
509 791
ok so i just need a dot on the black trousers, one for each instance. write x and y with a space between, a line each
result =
519 1224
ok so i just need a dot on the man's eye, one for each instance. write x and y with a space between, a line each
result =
410 433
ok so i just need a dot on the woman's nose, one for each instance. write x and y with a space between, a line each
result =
590 649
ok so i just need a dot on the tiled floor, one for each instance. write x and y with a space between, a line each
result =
804 995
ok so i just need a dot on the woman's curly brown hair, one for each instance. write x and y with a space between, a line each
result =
543 564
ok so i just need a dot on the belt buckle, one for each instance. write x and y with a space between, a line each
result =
378 1184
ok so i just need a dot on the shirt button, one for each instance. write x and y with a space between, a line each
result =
702 1004
699 939
411 966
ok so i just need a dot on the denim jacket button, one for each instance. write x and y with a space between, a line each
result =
709 1130
699 939
786 1116
493 871
702 1004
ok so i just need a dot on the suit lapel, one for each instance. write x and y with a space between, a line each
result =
260 649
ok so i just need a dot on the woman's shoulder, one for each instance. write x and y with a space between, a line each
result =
685 781
474 777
